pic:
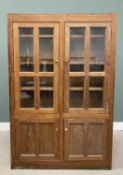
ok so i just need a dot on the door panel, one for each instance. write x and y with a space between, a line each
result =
74 139
86 54
48 140
85 139
96 140
37 140
25 140
28 132
36 57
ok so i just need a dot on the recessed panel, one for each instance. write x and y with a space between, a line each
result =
27 139
96 140
76 139
46 139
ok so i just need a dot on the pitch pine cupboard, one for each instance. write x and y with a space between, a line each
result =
61 89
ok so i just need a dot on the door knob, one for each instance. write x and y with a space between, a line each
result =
56 61
66 61
66 129
56 129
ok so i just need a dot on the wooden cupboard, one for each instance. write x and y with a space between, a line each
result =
61 70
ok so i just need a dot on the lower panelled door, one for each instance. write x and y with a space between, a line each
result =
85 140
37 140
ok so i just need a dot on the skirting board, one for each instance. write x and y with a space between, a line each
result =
5 126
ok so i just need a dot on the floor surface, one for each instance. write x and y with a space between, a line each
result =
117 168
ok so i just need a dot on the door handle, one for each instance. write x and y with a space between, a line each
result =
65 129
66 61
56 61
56 129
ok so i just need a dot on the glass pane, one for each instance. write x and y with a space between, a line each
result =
46 31
77 31
76 99
26 82
96 82
77 45
96 99
46 82
46 99
97 49
26 49
76 82
46 49
26 31
27 98
27 92
46 92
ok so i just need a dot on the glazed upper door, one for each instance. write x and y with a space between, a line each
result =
36 62
87 54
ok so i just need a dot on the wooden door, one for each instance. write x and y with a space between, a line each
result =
85 139
86 90
36 73
87 54
36 65
37 140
